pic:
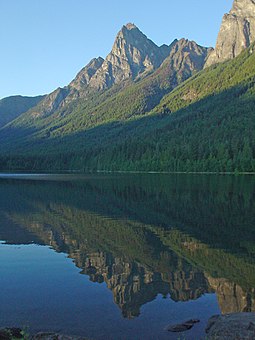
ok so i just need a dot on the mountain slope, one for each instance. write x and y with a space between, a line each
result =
133 55
205 124
148 108
60 114
14 106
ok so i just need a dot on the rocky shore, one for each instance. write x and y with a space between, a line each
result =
231 326
237 326
17 333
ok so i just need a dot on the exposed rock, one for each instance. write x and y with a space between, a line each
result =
237 32
17 333
132 54
51 103
10 333
185 326
185 58
231 326
83 77
62 96
133 57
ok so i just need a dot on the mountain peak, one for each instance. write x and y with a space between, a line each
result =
243 6
130 26
133 55
237 32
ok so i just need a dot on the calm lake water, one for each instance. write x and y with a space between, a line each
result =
124 256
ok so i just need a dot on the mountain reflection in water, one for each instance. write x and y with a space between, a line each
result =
180 236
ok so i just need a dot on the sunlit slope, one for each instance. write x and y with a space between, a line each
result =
205 124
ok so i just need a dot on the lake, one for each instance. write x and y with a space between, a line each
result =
124 256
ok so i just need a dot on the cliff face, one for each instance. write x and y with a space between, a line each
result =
133 57
237 32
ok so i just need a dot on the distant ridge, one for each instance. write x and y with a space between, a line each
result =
14 106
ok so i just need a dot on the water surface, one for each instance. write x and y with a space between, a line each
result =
124 256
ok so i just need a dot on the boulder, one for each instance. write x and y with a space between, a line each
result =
231 326
183 327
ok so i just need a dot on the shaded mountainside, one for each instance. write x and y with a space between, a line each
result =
185 236
133 57
148 108
129 83
14 106
205 124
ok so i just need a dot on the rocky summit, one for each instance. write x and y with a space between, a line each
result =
133 54
237 32
133 57
140 97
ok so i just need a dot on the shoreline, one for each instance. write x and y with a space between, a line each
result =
59 172
227 327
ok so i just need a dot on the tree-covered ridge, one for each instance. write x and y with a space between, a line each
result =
205 124
123 101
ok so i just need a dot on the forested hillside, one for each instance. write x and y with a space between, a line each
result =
12 107
206 124
176 108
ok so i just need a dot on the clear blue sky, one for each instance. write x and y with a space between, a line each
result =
44 43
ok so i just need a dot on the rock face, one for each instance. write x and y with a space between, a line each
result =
237 32
133 54
76 89
83 77
185 58
17 333
133 57
231 326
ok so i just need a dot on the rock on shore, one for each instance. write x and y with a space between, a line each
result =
231 326
17 333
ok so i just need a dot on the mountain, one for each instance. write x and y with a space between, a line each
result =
146 108
205 124
133 55
132 58
141 74
14 106
237 32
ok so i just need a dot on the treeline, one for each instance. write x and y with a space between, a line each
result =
207 124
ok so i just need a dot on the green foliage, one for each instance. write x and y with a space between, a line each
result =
205 125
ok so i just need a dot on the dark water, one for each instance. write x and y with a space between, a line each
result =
124 256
